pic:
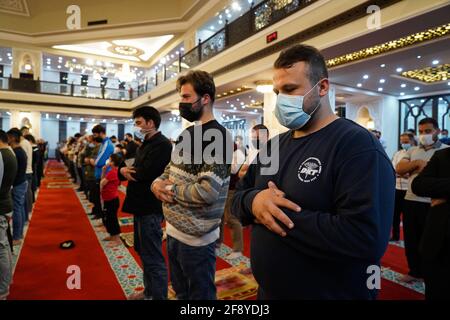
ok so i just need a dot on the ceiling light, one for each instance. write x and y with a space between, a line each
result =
403 85
48 67
81 119
418 57
416 88
435 62
382 65
57 116
70 118
359 85
402 93
89 62
27 66
74 60
399 69
104 120
59 67
46 116
423 100
252 101
264 86
366 76
380 89
382 80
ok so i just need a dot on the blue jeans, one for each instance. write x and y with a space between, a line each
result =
5 259
148 244
192 270
19 193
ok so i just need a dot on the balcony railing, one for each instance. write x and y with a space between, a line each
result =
72 90
253 21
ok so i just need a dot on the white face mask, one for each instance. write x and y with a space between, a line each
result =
426 139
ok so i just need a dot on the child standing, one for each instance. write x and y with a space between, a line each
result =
109 186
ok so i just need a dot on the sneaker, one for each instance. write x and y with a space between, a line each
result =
234 255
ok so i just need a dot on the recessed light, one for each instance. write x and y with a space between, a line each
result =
399 69
380 89
412 104
382 80
435 62
416 88
228 102
448 83
402 93
418 57
382 65
423 100
403 85
359 85
440 99
366 76
253 101
59 67
237 99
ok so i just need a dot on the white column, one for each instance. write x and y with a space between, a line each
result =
270 121
389 124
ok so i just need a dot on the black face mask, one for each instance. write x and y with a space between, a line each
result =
188 112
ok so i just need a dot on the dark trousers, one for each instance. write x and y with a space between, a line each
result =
111 220
148 244
437 277
414 219
90 184
80 173
192 270
97 209
398 210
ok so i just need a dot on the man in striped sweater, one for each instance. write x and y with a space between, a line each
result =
193 189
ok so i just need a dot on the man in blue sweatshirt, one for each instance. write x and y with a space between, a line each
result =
321 222
106 149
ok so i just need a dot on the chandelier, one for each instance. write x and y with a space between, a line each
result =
125 75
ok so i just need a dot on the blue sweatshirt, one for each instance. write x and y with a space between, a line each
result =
345 184
106 150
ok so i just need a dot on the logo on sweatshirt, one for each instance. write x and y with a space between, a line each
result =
310 170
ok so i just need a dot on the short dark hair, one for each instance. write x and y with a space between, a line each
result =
409 135
116 159
24 128
77 135
148 113
15 133
412 131
113 137
129 135
444 130
202 82
317 68
429 120
98 139
260 127
99 129
30 138
3 136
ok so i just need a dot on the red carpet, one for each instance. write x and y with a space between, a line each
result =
41 269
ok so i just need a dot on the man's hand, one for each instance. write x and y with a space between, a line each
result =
160 190
127 171
437 202
266 205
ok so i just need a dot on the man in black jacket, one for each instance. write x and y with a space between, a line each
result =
434 182
151 159
321 222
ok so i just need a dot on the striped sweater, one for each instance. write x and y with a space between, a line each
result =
200 187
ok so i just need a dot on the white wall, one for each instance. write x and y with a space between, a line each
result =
384 112
6 123
73 127
169 128
50 133
128 128
112 129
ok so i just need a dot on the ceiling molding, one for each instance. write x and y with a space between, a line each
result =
15 7
108 32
